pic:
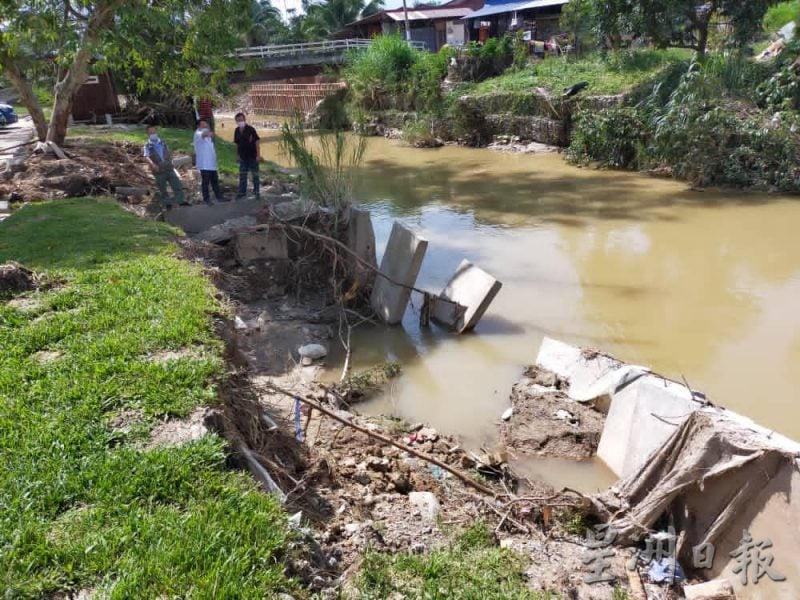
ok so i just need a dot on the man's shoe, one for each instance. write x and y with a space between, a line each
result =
223 199
184 204
241 197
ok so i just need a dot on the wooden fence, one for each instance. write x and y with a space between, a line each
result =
289 98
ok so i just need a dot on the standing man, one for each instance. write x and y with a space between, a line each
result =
248 153
159 159
206 161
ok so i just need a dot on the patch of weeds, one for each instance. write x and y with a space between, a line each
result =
619 593
572 522
470 567
81 505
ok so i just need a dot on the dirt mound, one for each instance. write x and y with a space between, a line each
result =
546 422
15 278
91 169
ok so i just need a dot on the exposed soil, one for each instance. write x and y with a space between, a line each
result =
546 422
91 169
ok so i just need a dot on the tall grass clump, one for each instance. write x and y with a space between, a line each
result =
390 74
326 168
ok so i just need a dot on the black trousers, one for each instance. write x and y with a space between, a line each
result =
210 177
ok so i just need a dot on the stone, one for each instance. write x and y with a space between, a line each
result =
313 351
716 589
179 162
470 287
360 238
289 211
197 218
508 413
426 503
401 262
261 244
427 433
401 483
224 231
507 543
640 419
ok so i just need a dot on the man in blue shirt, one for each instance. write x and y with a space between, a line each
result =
159 159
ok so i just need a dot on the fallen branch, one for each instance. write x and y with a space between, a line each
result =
387 440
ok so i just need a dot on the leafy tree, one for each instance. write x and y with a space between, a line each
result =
151 45
267 26
678 23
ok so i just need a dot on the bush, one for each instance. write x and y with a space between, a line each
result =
390 74
615 137
780 14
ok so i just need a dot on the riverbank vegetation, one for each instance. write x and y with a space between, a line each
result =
120 339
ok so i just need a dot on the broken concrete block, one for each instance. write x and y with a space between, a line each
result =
313 351
426 503
401 262
360 238
717 589
201 217
290 211
470 287
260 244
225 231
640 419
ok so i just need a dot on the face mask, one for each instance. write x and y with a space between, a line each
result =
204 130
240 124
153 137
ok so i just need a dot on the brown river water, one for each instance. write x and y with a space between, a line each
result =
699 284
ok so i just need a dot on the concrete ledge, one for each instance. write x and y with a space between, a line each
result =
199 217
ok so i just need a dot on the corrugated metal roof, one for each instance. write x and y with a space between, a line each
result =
429 13
497 9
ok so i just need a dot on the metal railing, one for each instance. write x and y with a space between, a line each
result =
324 47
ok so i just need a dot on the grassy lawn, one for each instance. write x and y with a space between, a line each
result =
471 568
82 504
610 74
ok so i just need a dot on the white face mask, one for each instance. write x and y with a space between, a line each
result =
154 137
204 130
240 124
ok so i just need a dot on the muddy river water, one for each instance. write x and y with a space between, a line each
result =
704 284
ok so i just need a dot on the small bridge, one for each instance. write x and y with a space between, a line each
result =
289 98
328 52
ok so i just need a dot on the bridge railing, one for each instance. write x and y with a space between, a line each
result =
324 47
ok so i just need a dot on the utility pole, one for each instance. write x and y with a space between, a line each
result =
405 18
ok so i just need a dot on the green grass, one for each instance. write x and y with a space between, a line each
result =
82 505
471 568
179 140
607 74
780 14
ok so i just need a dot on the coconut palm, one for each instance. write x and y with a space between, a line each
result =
329 16
267 25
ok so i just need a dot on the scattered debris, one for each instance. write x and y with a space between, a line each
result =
716 589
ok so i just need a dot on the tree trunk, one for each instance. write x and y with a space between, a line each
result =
66 88
29 99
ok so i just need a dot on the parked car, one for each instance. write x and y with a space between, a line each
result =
7 114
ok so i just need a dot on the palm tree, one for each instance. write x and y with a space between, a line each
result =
267 25
330 16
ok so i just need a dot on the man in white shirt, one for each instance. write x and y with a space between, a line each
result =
206 161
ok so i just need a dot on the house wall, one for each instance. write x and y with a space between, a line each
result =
94 100
456 33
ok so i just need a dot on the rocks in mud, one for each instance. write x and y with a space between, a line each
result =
546 422
312 351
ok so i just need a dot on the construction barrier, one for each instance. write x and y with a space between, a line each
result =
290 98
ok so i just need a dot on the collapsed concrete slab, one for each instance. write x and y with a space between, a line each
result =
200 217
641 417
643 409
226 230
401 262
360 238
470 287
730 487
260 244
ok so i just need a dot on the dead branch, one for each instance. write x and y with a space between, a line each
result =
387 440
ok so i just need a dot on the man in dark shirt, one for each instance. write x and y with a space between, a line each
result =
248 153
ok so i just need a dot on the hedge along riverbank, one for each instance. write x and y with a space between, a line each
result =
123 341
